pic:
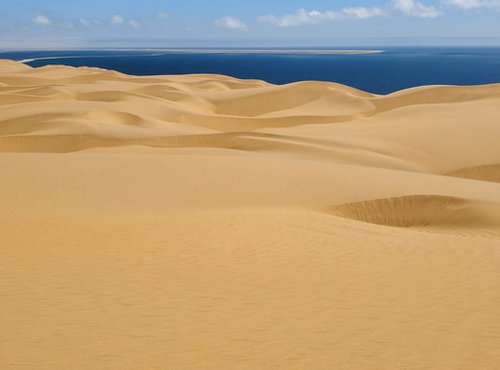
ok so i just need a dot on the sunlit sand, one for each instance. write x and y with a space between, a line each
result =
202 221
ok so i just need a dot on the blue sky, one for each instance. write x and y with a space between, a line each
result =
103 23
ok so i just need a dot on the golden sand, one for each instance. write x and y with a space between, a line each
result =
206 222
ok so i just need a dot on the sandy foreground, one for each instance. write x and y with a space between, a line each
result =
206 222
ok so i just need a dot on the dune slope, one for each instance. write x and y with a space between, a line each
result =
207 222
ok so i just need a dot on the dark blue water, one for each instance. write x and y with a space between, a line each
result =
395 69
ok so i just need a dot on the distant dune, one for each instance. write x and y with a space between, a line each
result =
202 221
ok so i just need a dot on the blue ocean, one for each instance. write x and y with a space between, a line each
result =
381 73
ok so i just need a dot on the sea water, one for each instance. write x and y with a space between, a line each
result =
381 73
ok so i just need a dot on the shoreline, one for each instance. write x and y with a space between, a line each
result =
274 51
221 51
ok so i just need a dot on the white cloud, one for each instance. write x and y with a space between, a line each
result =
362 13
134 24
163 15
231 23
475 4
84 22
42 20
415 8
68 24
465 4
298 18
302 16
117 19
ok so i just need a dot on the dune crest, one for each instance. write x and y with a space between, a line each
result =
204 221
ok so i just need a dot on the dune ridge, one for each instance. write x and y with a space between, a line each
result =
204 221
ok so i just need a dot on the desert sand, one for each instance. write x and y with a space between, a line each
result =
207 222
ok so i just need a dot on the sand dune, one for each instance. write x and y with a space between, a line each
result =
424 211
202 221
485 173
